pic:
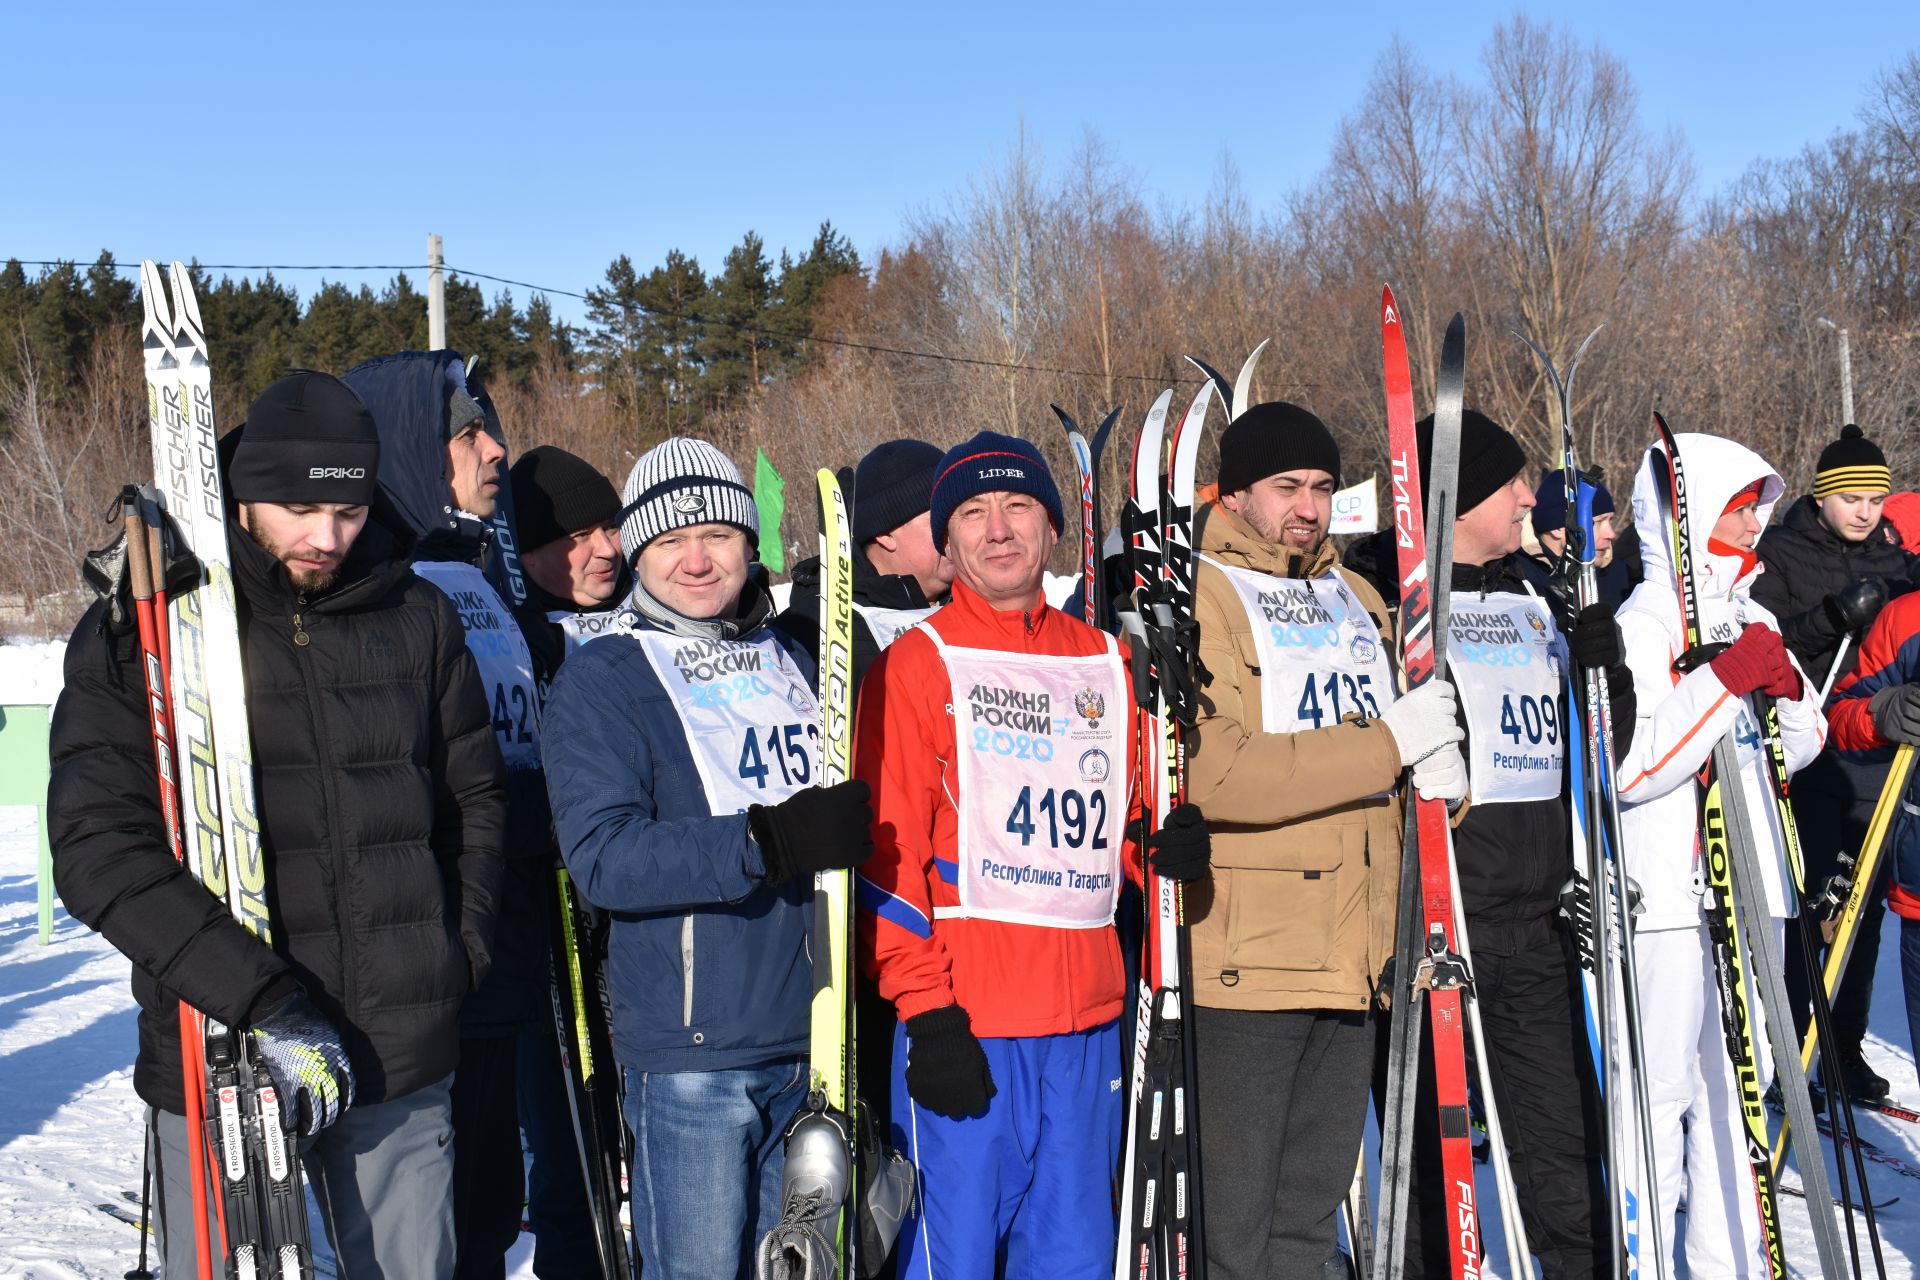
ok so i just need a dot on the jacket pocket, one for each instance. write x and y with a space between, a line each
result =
686 970
1286 913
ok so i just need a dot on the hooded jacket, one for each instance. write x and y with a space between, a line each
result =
407 394
1299 911
1680 718
708 963
379 795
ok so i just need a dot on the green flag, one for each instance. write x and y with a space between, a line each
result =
770 496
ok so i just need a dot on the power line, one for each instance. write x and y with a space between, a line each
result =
688 317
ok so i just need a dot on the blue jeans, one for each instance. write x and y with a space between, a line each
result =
707 1162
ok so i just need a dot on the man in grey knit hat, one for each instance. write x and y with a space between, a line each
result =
682 761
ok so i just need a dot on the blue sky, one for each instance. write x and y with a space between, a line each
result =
544 139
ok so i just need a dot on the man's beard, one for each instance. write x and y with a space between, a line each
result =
305 582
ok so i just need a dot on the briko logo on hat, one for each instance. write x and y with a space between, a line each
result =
336 473
688 503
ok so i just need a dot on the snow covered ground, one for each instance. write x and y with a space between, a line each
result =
70 1123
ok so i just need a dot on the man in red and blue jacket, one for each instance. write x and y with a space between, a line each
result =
1875 709
997 737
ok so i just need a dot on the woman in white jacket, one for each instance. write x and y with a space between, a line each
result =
1697 1125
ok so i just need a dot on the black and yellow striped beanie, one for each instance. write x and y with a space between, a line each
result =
1852 464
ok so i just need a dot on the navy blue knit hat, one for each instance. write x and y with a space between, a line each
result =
990 463
1550 500
892 485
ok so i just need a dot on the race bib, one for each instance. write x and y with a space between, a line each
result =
1043 784
751 723
1321 659
500 651
888 625
582 627
1505 660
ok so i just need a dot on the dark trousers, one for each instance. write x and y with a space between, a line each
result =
489 1183
1283 1106
1530 1007
1828 827
1910 980
557 1208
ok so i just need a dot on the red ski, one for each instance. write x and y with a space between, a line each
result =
1428 966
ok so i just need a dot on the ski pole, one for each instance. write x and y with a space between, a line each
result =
144 562
1833 672
1519 1254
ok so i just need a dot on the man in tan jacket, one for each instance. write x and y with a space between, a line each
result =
1300 743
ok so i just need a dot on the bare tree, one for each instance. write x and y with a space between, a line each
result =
1575 204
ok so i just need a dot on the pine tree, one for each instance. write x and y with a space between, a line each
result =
672 297
731 346
803 284
614 342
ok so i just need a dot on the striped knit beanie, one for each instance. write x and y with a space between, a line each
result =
1852 464
681 482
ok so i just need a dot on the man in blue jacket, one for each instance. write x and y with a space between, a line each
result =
681 756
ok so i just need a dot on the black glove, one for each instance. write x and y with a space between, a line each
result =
1594 639
1857 605
947 1070
1182 849
1896 713
815 829
302 1052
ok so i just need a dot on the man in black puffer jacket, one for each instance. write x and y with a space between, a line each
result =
379 799
1831 564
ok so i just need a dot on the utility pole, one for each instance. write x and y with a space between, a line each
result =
437 296
1846 370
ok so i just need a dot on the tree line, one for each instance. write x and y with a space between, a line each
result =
1531 196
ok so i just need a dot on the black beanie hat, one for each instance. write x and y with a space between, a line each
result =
1274 437
892 485
556 493
1852 464
307 438
1489 459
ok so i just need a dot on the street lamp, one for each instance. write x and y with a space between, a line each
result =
1846 370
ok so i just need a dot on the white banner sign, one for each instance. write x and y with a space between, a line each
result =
1356 510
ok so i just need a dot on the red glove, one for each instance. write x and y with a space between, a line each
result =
1756 662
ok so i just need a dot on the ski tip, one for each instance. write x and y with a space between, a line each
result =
1243 385
1389 310
1066 420
1216 379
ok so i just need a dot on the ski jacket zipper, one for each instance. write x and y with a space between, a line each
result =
348 992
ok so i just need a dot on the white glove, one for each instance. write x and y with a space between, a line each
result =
1442 775
1424 721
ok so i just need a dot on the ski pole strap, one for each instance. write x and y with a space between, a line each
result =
1699 656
